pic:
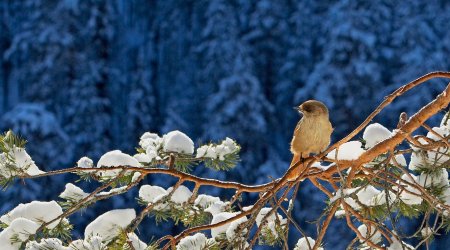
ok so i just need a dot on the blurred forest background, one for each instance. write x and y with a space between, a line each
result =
82 77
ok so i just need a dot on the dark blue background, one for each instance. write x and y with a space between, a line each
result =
82 77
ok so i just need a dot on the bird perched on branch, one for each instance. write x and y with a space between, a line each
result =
311 135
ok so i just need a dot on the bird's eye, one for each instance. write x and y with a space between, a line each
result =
307 108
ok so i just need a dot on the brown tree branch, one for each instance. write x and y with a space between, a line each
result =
271 189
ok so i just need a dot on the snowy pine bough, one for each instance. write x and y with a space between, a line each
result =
371 184
43 225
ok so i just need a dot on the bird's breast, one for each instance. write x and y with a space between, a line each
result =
312 135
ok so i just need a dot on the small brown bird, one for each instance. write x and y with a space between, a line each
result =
311 135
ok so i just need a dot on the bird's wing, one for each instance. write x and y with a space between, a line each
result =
297 128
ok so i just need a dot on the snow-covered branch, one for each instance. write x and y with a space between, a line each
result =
369 183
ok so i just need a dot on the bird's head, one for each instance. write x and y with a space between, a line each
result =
312 108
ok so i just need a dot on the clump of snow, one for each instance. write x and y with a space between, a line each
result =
37 211
153 194
426 231
149 193
400 160
262 213
180 195
306 244
85 162
420 160
134 240
152 155
176 141
443 131
207 151
372 235
217 207
320 166
231 231
227 146
367 196
135 177
375 133
339 213
21 228
409 194
22 162
150 140
219 218
380 199
397 245
222 151
110 224
91 243
445 122
73 193
431 158
51 243
337 195
197 241
143 158
435 179
417 161
113 191
151 143
204 200
348 151
4 170
445 196
271 220
115 158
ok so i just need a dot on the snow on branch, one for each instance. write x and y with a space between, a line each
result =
369 184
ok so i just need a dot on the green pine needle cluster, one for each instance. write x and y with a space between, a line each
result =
446 224
193 216
188 215
230 161
268 237
409 211
3 225
72 202
184 162
6 182
84 176
62 231
8 141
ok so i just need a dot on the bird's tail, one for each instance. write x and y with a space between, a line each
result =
296 172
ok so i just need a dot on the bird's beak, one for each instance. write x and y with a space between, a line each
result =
298 109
